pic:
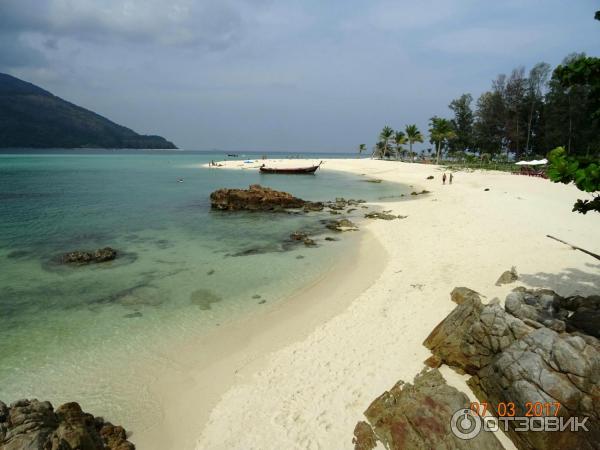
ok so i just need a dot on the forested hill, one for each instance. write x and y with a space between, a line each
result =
31 117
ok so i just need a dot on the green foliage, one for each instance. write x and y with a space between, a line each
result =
584 71
462 123
583 171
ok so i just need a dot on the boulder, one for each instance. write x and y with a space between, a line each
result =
417 417
473 333
89 257
255 198
519 354
34 425
509 276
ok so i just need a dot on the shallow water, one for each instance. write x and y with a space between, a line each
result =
74 333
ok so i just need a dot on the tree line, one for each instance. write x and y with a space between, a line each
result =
523 115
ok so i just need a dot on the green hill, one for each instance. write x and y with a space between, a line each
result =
31 117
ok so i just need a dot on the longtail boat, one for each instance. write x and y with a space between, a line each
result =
290 170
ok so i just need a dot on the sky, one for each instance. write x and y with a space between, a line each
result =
266 75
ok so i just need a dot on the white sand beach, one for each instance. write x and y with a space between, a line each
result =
300 377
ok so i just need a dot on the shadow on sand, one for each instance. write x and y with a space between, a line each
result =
568 282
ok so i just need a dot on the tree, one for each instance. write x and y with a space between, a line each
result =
583 171
361 148
385 136
490 125
462 123
399 140
440 133
538 77
413 135
514 97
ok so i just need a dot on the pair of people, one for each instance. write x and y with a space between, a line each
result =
449 179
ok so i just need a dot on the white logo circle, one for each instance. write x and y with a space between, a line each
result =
465 424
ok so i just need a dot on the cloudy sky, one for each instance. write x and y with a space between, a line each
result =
290 75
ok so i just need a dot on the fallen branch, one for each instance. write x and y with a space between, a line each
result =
574 247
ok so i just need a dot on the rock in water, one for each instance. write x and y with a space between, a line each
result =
84 257
255 198
508 277
341 225
417 417
34 425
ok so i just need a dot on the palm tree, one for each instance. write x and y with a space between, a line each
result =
399 140
413 135
379 150
440 132
362 148
385 137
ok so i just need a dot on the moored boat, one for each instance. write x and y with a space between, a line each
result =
290 170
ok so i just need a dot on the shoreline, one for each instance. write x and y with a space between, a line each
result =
203 370
311 394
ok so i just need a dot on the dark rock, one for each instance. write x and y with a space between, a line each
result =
417 417
585 315
486 189
309 242
380 215
341 225
34 425
255 198
509 276
256 296
262 302
298 236
329 238
424 191
84 257
374 180
210 272
133 315
313 206
430 177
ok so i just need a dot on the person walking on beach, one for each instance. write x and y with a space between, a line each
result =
450 179
444 178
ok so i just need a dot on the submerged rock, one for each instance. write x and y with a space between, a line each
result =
88 257
417 417
382 216
341 225
34 425
298 236
255 198
424 191
204 298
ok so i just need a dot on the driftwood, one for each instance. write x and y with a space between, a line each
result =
574 247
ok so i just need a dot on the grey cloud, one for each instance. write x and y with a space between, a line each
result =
15 53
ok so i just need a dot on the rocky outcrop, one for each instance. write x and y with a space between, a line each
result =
35 425
257 198
519 355
417 417
89 257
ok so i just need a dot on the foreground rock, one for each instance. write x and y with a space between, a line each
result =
35 425
383 216
258 198
517 356
83 257
417 417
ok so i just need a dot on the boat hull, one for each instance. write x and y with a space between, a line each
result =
290 171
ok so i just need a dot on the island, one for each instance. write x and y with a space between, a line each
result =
31 117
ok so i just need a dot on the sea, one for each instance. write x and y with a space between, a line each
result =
71 333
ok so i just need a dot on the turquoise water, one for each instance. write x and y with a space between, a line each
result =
71 333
